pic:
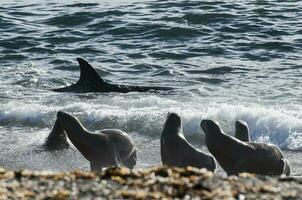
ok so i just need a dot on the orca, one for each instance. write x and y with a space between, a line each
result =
90 81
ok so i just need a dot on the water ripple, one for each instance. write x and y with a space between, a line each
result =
197 41
67 20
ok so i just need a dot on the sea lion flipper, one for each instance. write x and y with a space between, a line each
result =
117 159
130 161
287 167
57 138
95 166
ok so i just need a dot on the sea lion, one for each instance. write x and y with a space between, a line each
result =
236 156
177 151
90 81
110 147
57 138
242 131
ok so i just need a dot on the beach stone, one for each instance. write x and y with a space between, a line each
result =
152 183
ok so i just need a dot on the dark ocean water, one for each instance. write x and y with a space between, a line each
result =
227 60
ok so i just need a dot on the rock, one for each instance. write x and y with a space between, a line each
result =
153 183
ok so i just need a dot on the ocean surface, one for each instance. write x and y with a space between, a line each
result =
227 60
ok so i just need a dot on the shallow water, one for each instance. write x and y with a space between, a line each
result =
226 60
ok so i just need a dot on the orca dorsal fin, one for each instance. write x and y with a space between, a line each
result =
89 80
88 75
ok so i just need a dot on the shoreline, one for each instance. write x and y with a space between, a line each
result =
152 183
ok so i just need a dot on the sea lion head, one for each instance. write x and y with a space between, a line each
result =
172 124
210 127
241 125
242 130
69 122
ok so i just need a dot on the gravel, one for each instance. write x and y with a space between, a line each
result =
152 183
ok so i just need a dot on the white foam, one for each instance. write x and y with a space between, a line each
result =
145 115
267 124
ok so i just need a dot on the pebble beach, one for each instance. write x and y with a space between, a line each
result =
151 183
